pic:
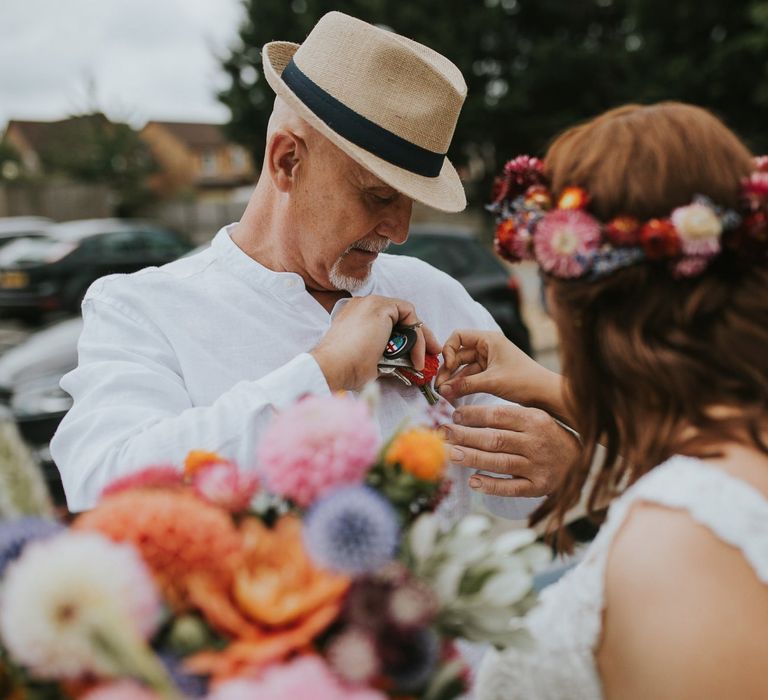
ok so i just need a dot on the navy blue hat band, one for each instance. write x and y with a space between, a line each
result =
362 131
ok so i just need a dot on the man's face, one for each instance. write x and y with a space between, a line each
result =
345 217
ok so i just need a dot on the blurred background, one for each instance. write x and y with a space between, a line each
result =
131 130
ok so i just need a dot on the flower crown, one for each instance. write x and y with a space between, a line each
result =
570 243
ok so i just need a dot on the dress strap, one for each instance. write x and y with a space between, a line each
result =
732 509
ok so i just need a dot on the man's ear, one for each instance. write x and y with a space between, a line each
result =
285 151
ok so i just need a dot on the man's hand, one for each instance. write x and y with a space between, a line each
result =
349 352
525 443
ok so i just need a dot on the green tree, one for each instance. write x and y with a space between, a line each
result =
534 67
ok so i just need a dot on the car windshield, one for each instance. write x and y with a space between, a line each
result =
34 250
458 256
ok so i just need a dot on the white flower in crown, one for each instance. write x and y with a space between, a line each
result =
699 228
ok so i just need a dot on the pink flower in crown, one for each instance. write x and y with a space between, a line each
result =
565 242
755 189
691 266
761 164
699 228
319 444
224 485
305 678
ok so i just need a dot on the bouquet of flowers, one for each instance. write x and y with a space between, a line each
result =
328 576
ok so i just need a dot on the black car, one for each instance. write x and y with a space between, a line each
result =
459 253
52 272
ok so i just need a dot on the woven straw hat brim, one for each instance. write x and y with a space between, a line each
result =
444 192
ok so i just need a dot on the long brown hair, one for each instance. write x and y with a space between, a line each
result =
657 366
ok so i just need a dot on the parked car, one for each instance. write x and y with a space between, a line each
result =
459 253
53 271
13 227
30 374
29 389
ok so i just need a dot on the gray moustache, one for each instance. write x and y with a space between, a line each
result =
370 247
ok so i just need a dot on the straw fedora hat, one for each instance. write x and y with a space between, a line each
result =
388 102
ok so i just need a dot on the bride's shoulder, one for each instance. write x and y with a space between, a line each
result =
677 591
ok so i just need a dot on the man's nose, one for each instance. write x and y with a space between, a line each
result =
397 220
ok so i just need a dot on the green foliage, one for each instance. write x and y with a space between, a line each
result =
534 67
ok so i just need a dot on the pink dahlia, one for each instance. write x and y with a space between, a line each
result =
317 445
565 241
306 678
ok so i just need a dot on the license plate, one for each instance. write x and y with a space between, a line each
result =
13 280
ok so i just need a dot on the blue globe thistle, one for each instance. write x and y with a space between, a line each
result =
16 534
190 685
354 530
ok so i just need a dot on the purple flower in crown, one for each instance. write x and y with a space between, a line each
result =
609 260
566 242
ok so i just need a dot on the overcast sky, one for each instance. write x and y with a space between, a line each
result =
148 59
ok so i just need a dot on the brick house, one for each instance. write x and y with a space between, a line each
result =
196 158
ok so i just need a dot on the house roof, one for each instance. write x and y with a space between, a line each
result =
195 135
39 135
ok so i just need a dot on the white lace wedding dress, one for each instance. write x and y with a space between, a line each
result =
566 623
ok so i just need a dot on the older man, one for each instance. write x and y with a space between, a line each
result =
296 298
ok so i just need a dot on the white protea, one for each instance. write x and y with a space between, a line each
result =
483 582
79 603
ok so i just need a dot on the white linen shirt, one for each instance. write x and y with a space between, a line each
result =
202 352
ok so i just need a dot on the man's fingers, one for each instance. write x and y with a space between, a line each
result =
485 439
504 416
406 316
419 350
497 462
433 346
510 488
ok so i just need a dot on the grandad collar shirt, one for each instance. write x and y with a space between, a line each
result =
201 353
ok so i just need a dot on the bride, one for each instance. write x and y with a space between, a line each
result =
650 225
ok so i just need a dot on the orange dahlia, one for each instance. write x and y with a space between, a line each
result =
277 584
419 452
279 587
191 547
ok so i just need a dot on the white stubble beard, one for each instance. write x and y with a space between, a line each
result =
348 283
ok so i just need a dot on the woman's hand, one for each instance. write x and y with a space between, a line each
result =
486 362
